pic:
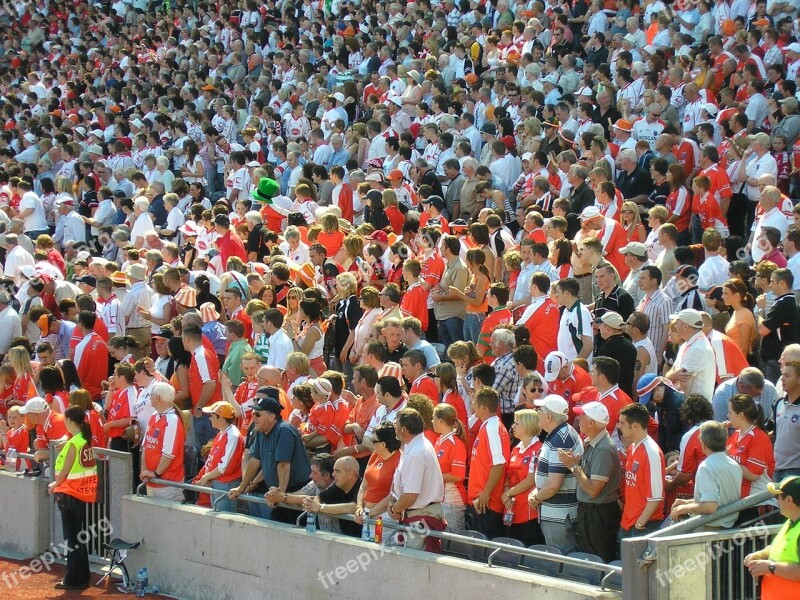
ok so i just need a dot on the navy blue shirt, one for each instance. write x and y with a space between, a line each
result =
282 444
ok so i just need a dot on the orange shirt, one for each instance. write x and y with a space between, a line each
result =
452 455
203 368
614 238
361 414
53 429
644 481
378 475
415 303
332 241
226 455
91 361
543 327
491 448
574 383
614 400
328 420
122 403
432 269
499 316
424 385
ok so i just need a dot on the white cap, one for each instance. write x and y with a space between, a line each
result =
595 411
137 123
397 101
374 177
98 133
793 47
690 316
709 108
554 403
35 405
590 212
30 137
80 131
339 97
553 364
527 156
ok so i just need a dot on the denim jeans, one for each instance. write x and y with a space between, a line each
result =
472 326
225 504
450 330
203 431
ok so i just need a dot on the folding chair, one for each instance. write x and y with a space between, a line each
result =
121 551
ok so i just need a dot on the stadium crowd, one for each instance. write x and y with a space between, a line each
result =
527 267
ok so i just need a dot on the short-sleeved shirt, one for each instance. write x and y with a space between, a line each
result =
782 321
644 481
752 449
418 473
336 495
697 356
719 479
576 322
600 462
491 448
282 445
565 502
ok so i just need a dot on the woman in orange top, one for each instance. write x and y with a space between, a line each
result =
447 381
82 399
632 222
7 378
519 478
561 257
451 450
331 236
741 327
476 295
396 218
23 388
374 492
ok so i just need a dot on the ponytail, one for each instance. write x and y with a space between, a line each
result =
77 415
86 432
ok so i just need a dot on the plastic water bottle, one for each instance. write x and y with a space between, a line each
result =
508 515
311 522
140 586
366 534
146 578
11 460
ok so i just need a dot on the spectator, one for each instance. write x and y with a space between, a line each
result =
451 451
693 371
162 444
379 474
519 479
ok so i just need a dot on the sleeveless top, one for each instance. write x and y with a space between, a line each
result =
652 368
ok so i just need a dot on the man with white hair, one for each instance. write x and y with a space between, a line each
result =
507 379
142 221
694 370
70 225
162 446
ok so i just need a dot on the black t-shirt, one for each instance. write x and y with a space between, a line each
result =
335 495
659 194
635 183
782 322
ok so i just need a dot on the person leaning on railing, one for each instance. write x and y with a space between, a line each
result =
378 476
779 563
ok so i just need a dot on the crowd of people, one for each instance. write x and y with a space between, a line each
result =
531 268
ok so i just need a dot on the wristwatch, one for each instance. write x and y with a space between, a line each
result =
772 567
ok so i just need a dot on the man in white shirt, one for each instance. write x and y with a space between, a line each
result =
279 343
791 248
714 270
694 370
16 257
69 226
759 161
770 217
10 323
31 211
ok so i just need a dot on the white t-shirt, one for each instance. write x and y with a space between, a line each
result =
37 220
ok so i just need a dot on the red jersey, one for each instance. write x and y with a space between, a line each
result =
519 465
499 316
328 420
614 400
91 361
678 204
240 315
432 269
688 155
361 414
690 458
53 429
720 185
415 303
122 407
165 437
614 238
225 455
95 420
23 388
452 455
644 481
710 212
452 398
424 385
543 326
19 440
231 244
578 379
753 450
244 393
203 368
491 448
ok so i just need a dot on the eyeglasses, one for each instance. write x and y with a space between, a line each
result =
535 390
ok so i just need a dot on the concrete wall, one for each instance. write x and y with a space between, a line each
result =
25 516
194 554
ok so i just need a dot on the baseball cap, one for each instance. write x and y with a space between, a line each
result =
378 236
527 156
553 403
594 410
690 316
590 212
686 271
395 175
221 409
4 298
791 102
635 248
762 138
95 149
44 324
709 108
88 280
794 47
30 137
553 364
35 406
435 201
489 128
268 405
375 176
715 293
165 333
789 486
612 319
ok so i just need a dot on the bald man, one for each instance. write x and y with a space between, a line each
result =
273 377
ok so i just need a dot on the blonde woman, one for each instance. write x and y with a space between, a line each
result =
632 222
347 311
519 478
23 387
292 319
371 307
358 144
354 257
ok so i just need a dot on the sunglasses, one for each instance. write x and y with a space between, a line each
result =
535 390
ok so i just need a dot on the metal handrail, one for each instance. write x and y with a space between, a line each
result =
24 455
700 520
496 547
